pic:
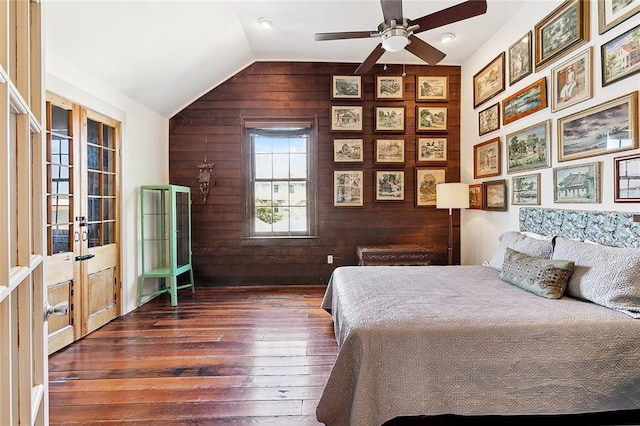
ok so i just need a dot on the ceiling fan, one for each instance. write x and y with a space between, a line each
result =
398 32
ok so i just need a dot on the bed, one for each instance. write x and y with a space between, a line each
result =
474 340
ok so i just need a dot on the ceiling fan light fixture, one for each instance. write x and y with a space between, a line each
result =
447 37
265 22
395 39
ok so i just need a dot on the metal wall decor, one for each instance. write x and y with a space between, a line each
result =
205 172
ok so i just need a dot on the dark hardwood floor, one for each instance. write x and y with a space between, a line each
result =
234 355
258 355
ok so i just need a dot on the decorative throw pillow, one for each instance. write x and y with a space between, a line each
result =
608 276
518 241
544 277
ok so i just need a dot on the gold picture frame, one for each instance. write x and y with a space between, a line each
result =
561 31
608 127
489 81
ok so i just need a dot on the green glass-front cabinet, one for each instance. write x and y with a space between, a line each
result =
165 222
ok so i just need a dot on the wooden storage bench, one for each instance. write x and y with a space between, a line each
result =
401 254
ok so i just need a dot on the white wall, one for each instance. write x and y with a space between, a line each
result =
480 229
144 153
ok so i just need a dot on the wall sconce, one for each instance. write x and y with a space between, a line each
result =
205 173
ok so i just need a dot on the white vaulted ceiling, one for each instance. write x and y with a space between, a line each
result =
166 53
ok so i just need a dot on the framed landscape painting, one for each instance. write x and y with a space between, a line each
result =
520 59
426 181
489 119
431 149
475 196
432 88
431 118
621 56
531 99
577 184
561 31
486 159
489 81
389 185
609 127
613 12
495 195
348 150
389 119
389 87
529 148
348 188
346 118
525 190
346 87
389 151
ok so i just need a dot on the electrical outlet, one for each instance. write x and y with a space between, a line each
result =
329 258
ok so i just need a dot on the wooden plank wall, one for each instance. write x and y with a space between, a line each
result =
211 125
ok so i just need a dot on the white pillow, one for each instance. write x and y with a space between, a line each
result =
522 243
608 276
536 236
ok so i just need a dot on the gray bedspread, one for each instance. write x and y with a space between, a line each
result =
429 340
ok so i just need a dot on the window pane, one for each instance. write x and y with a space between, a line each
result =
109 233
59 120
108 184
59 208
93 132
93 207
93 183
94 234
298 219
263 166
107 209
282 224
107 136
280 166
93 154
299 145
298 193
60 239
281 145
298 166
107 160
262 144
59 150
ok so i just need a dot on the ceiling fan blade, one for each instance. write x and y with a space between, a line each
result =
370 61
392 10
452 14
424 50
345 35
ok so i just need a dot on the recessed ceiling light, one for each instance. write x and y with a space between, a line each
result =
265 22
447 37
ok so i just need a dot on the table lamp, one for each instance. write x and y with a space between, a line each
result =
454 195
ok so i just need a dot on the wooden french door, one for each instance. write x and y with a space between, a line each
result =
23 338
82 188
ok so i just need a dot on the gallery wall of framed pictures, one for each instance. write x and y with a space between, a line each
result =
542 104
393 135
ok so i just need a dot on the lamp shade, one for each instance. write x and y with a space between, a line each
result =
453 195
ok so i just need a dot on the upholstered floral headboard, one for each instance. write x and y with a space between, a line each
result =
616 229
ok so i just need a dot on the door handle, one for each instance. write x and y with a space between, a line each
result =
85 257
61 308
